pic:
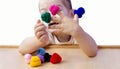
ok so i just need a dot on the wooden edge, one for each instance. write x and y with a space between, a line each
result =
9 46
66 46
77 46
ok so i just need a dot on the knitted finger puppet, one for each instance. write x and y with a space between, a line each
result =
27 58
35 61
55 58
41 51
80 11
47 57
54 9
41 58
46 17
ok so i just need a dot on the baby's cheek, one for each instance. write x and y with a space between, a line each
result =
66 13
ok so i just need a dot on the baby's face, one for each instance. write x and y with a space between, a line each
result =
44 7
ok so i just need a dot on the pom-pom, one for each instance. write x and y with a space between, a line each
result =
41 51
27 58
41 58
47 57
80 11
35 61
55 58
46 17
54 9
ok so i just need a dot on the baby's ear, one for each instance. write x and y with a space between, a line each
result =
72 13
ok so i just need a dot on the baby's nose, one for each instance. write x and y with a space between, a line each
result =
56 18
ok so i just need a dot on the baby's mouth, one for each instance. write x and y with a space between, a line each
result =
52 25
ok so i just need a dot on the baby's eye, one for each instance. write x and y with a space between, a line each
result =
43 11
60 10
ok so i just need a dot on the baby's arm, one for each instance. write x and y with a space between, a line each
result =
29 45
40 39
85 41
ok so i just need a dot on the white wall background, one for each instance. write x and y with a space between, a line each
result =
101 20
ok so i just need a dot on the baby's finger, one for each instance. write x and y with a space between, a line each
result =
55 26
40 28
51 30
54 30
38 24
76 18
40 34
38 21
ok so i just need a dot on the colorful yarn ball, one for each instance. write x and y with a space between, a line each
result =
46 17
54 9
35 61
41 58
27 58
55 58
80 11
47 57
41 51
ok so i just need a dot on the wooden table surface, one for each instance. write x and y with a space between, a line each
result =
108 57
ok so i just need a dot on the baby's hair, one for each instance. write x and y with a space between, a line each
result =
70 4
67 4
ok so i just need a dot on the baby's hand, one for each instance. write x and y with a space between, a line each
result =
40 32
67 25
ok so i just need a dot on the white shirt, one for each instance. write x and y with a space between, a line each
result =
54 40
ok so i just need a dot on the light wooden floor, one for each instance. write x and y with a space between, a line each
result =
73 58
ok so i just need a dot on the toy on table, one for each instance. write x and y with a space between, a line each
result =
27 58
41 51
54 9
35 61
55 58
47 57
41 57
